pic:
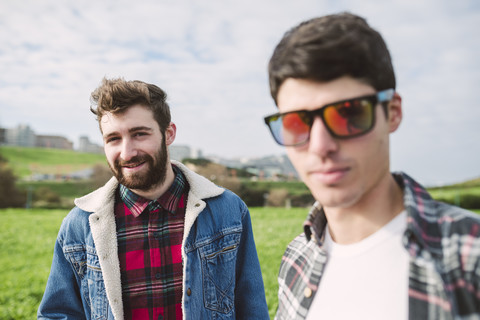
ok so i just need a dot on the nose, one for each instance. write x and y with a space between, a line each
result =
321 141
128 150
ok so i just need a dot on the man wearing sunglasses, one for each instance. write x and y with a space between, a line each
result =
375 245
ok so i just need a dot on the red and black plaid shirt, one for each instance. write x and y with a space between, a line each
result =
149 235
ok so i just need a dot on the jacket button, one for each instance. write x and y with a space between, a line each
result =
189 292
307 292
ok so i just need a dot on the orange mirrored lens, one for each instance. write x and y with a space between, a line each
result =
349 118
295 128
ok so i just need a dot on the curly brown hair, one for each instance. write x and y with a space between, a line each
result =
117 95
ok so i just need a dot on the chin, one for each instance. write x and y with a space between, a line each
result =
335 198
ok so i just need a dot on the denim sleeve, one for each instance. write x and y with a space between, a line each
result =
62 298
250 302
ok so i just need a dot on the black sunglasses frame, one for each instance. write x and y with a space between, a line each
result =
374 99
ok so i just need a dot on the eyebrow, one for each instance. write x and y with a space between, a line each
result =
131 130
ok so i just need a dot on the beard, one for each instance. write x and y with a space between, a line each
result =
155 174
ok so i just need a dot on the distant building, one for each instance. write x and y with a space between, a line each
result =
22 136
269 167
196 154
86 145
180 152
2 136
56 142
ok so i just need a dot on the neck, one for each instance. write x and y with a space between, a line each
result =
158 190
376 208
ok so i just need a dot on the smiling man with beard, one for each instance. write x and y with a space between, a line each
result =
157 241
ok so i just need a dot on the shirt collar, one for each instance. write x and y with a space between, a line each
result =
168 200
418 205
315 223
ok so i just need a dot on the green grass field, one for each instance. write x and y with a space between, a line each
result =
453 192
273 229
27 238
26 244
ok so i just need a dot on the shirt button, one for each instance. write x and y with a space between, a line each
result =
156 235
158 276
197 205
307 292
189 292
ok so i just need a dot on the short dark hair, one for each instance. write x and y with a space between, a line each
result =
117 95
329 47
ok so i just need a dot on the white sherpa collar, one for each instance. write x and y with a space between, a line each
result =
200 187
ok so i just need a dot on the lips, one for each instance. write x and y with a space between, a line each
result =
329 176
132 165
133 168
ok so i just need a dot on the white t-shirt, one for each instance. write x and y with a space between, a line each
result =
367 279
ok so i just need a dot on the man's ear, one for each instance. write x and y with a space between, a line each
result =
395 112
170 133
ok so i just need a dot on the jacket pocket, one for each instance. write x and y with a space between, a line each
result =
96 286
218 272
77 256
84 261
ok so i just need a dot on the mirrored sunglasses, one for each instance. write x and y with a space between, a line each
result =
343 119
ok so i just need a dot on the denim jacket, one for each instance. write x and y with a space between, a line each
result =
222 277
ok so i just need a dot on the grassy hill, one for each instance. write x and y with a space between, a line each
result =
27 161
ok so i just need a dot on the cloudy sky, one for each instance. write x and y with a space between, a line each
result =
211 58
